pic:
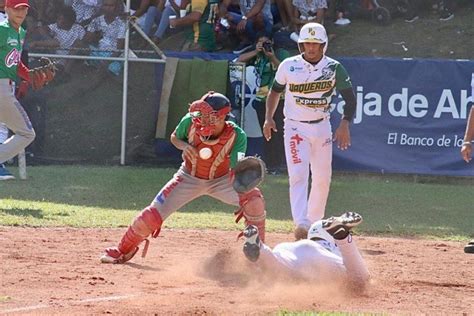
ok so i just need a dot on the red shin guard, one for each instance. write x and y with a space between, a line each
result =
252 208
148 222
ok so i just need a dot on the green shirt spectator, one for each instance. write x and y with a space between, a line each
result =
265 58
202 19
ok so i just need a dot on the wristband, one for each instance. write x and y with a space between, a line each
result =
244 17
466 143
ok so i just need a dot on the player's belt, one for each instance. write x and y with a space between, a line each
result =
311 122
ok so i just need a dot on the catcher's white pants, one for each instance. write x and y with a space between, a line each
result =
183 188
3 133
313 261
308 146
15 118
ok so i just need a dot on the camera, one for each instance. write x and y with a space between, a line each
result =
268 46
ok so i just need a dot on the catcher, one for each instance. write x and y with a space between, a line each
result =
211 148
12 114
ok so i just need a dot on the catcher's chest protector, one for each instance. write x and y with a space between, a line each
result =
219 163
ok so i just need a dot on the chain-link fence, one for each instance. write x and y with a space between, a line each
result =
101 107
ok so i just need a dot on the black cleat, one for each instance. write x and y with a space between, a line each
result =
252 243
339 227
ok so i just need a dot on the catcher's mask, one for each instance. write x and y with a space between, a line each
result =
207 111
317 233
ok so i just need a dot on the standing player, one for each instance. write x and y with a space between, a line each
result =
211 147
12 113
466 152
4 173
309 81
329 253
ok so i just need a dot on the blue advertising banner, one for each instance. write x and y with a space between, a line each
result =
411 116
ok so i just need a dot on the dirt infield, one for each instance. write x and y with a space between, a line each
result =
187 272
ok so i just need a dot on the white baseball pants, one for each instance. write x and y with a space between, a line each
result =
15 118
308 147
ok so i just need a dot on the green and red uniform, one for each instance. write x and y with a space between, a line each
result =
211 177
12 113
225 149
11 46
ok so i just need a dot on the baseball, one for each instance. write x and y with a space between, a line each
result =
205 153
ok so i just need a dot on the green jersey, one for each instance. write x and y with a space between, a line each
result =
203 31
266 72
240 144
11 43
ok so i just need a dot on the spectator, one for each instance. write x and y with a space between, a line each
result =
266 60
86 10
202 20
305 11
62 36
138 8
255 16
412 11
160 14
281 12
340 11
445 10
106 34
43 12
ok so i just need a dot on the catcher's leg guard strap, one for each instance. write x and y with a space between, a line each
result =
148 222
252 208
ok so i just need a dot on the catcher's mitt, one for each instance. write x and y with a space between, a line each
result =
248 173
40 76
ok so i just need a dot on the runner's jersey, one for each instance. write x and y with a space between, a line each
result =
240 143
309 88
310 260
11 43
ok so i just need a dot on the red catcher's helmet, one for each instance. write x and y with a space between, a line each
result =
207 110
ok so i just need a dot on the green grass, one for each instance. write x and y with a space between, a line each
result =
90 196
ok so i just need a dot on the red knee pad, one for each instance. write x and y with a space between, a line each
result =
252 208
148 222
